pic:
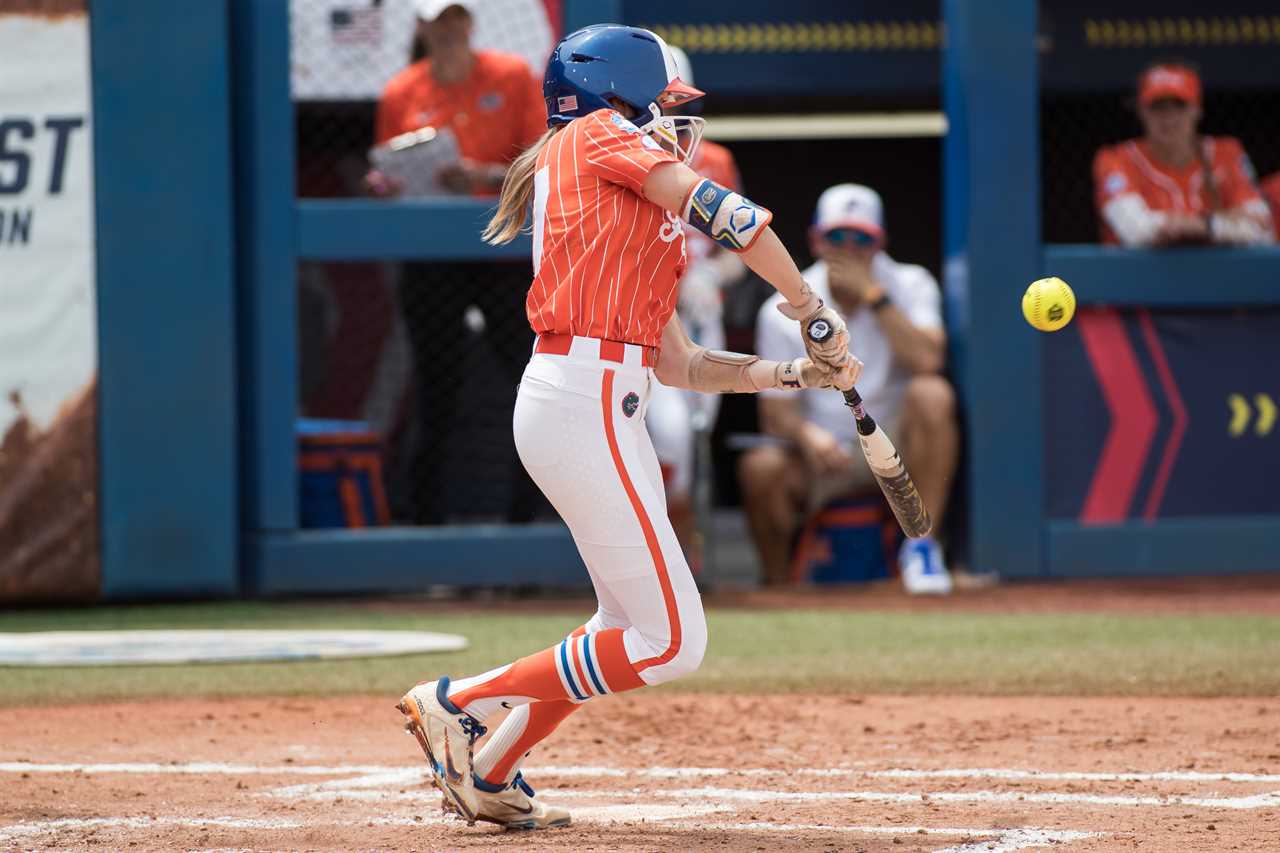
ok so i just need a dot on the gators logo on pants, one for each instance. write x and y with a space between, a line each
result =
630 403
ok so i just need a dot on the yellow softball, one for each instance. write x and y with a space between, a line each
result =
1049 304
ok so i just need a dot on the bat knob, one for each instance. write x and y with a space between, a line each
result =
819 331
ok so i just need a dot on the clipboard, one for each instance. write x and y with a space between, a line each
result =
414 159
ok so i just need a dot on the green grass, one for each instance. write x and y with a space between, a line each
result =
751 651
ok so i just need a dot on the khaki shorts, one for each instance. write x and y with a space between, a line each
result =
825 488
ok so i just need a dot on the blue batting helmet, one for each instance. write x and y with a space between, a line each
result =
595 63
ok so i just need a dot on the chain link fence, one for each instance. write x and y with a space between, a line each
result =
1090 68
343 53
423 355
427 357
1073 127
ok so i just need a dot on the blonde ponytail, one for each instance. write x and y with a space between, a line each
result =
517 189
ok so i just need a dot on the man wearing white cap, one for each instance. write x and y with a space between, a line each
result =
894 318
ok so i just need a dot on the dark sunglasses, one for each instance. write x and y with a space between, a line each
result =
850 237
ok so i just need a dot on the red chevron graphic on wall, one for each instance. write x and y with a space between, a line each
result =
1133 417
1133 414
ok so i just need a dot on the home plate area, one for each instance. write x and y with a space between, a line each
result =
943 810
665 773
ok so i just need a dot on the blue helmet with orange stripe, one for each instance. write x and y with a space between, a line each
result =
600 66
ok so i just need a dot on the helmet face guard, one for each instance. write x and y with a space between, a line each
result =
679 135
680 132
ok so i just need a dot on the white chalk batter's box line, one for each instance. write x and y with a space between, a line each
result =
389 787
223 768
386 783
972 840
376 783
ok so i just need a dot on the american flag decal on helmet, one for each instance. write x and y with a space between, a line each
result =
567 103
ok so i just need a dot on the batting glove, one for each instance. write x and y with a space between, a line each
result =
832 352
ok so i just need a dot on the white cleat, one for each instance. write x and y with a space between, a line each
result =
447 735
515 806
923 571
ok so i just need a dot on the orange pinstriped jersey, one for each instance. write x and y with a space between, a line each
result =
606 261
1129 168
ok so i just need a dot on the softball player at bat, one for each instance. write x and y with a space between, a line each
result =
611 193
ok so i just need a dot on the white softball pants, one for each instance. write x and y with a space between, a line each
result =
670 416
580 432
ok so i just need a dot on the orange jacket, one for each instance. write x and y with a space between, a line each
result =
496 112
1128 168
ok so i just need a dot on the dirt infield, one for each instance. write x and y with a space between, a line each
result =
661 772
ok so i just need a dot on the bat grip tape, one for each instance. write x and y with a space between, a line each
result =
852 399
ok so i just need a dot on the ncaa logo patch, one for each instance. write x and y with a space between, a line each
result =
490 101
630 403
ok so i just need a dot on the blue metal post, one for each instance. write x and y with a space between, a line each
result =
166 301
992 227
264 141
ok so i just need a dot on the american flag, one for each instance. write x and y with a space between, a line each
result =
356 26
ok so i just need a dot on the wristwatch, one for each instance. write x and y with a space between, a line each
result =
877 299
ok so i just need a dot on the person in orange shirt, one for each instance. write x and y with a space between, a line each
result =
611 194
493 104
1172 186
489 99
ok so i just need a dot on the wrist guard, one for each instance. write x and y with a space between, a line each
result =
719 372
729 218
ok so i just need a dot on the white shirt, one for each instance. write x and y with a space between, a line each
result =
912 290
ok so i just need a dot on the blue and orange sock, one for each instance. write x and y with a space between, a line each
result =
579 667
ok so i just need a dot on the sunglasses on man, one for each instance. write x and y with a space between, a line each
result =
851 237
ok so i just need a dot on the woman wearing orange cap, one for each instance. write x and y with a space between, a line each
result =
1173 186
